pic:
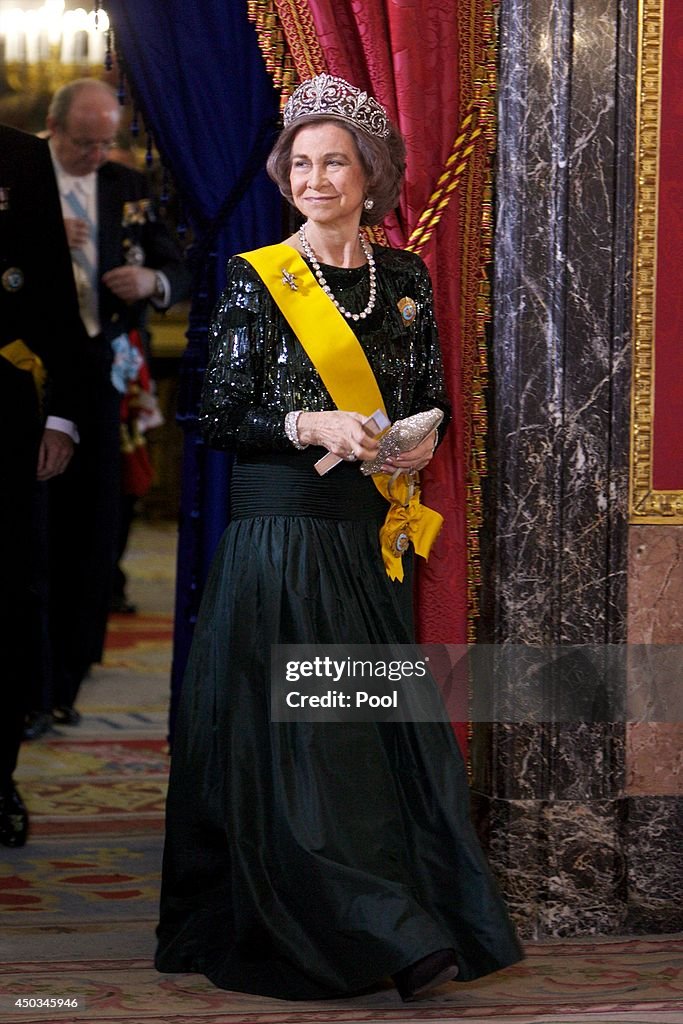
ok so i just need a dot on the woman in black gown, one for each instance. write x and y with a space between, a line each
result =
309 860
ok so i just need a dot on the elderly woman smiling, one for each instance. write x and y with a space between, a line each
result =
316 859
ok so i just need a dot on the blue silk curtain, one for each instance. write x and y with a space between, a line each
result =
197 74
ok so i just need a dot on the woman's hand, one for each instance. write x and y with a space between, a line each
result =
416 458
342 433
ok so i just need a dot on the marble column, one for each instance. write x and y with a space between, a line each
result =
550 798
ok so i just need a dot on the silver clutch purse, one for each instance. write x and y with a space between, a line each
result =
402 437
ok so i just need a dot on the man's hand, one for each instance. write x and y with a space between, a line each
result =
56 449
77 232
131 284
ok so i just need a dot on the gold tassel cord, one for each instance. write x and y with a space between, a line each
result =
457 162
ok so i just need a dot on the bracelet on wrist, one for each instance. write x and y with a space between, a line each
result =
291 429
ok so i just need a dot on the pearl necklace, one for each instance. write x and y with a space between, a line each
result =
367 250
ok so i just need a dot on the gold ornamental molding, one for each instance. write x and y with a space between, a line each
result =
647 505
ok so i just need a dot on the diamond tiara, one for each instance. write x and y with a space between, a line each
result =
326 94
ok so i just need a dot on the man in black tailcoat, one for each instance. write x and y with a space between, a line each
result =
123 258
40 339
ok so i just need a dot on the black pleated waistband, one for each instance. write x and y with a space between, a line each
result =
290 486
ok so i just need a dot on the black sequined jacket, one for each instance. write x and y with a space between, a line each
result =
258 371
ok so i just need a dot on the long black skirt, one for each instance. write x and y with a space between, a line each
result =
310 860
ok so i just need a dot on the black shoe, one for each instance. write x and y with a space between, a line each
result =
120 605
37 724
13 819
426 974
65 715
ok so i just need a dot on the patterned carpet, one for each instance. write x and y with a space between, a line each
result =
78 903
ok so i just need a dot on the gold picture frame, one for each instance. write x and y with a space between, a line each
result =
647 505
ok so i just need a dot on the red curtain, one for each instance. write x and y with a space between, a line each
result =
667 448
406 54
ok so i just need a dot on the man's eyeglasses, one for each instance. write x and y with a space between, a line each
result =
85 145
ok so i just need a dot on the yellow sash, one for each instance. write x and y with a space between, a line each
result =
20 355
343 367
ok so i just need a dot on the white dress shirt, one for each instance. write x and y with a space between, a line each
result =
65 182
85 189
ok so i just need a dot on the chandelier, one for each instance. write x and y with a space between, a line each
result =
48 45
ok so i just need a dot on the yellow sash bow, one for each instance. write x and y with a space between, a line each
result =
20 355
407 520
343 367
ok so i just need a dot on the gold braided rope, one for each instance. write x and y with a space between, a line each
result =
456 164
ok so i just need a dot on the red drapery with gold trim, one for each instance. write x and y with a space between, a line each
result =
431 63
667 448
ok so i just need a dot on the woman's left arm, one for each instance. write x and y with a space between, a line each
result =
429 389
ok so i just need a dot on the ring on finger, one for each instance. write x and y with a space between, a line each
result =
351 457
